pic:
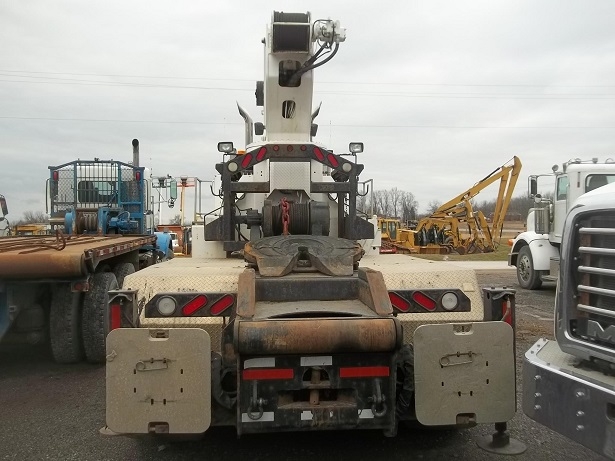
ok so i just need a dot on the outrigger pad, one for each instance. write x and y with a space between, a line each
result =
279 255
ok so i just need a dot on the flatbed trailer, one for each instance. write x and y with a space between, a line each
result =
57 286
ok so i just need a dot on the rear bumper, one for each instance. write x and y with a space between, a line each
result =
562 393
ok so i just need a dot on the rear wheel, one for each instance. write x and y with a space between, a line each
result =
95 318
64 325
122 270
528 277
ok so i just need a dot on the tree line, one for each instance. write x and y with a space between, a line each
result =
395 203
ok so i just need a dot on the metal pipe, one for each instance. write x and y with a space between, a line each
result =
135 152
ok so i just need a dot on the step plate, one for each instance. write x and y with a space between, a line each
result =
465 369
158 381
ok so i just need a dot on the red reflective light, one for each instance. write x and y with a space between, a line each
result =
222 304
303 148
245 161
506 313
138 175
267 373
261 153
55 175
318 153
194 305
115 317
333 160
424 301
399 303
363 372
289 148
276 148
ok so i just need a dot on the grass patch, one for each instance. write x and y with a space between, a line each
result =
500 254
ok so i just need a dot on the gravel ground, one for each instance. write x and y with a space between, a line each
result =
52 411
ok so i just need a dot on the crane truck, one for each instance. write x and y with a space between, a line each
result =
283 324
569 384
536 252
58 285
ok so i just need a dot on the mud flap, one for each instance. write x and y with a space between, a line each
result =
464 373
158 381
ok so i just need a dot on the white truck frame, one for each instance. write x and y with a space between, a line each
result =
535 252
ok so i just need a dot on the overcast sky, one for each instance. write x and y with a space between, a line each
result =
440 92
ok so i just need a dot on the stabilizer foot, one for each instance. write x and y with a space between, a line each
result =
500 442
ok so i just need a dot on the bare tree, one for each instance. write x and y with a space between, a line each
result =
177 219
395 196
433 206
382 203
409 207
31 217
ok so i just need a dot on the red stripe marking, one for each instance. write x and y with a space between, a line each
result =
268 373
363 372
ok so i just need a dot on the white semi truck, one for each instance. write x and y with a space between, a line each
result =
536 252
282 323
569 385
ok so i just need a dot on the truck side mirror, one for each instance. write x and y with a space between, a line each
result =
173 189
533 185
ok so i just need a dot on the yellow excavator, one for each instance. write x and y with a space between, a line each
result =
456 227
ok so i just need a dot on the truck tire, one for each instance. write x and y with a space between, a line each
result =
528 277
95 317
404 388
64 325
121 270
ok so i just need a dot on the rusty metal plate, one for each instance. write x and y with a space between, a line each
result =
279 255
154 381
464 369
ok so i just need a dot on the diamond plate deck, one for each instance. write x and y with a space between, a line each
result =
221 275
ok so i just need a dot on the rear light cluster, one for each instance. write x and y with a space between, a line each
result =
421 301
190 305
325 157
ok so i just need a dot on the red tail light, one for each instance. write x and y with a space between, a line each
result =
364 372
399 303
194 305
138 175
507 312
55 175
261 153
222 304
247 158
267 373
115 317
276 148
303 148
333 160
289 148
424 301
318 153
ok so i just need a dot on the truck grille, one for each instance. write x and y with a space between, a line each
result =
596 277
